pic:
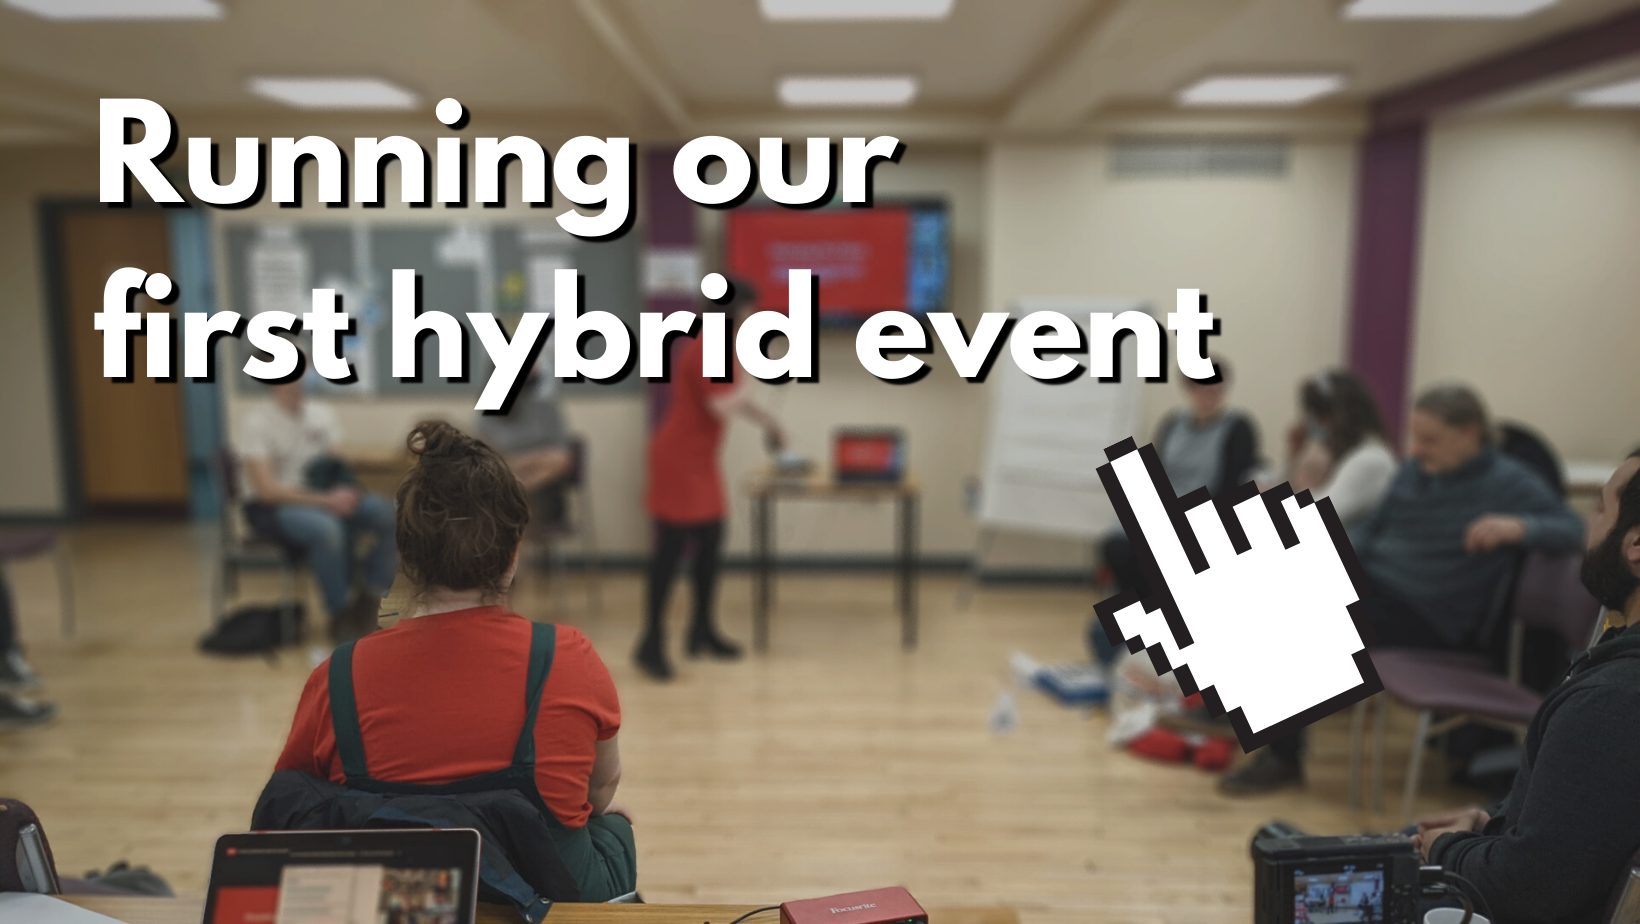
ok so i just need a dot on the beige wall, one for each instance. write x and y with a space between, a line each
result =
1271 254
1526 289
30 476
942 414
1530 284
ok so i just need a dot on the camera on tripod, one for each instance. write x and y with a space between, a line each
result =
1303 878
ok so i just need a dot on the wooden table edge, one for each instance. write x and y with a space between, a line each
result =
189 909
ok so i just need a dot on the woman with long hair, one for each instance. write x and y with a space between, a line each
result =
1339 448
463 694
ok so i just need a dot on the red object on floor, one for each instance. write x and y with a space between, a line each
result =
1194 701
1161 744
1215 754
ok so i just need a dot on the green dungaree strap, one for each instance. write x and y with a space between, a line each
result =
600 855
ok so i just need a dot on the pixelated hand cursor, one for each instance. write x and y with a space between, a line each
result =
1252 598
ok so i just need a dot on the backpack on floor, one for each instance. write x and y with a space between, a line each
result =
256 629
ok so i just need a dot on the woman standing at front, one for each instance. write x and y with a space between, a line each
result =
686 497
440 703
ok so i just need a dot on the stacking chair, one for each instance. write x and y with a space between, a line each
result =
28 543
1624 901
1493 635
241 548
1547 595
576 525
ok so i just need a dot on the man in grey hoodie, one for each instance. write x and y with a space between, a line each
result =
1437 548
1554 849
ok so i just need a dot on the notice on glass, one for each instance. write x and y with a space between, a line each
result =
329 894
279 272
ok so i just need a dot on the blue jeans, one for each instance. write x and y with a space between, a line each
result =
325 539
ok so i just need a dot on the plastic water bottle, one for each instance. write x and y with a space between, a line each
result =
1004 714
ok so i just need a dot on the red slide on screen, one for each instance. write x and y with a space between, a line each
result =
246 905
860 258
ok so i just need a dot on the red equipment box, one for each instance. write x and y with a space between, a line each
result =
878 906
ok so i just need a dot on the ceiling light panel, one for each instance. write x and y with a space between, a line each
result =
848 91
85 10
1260 90
1443 9
1618 95
333 92
853 10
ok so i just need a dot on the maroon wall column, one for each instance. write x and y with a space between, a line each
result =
1383 291
1389 197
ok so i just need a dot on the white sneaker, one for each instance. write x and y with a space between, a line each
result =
17 712
15 674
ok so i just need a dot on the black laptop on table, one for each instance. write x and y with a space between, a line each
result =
397 876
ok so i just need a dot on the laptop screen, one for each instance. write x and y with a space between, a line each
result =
416 876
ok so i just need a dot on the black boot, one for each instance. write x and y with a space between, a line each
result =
651 657
704 639
1265 772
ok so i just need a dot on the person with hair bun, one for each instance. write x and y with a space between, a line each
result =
463 694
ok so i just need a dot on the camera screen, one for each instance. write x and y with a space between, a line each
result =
1339 894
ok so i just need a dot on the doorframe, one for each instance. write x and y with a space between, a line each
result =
51 212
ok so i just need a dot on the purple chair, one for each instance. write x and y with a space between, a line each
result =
1548 595
28 543
1487 638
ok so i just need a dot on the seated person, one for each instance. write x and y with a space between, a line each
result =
1207 445
1436 548
1556 846
438 696
534 440
278 446
1338 450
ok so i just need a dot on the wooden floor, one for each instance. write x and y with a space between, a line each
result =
832 764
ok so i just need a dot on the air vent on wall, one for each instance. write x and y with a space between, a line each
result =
1141 158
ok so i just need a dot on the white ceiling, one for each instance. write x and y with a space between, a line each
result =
655 69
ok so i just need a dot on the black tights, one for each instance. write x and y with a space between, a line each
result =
670 542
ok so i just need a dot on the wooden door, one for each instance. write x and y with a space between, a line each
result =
132 449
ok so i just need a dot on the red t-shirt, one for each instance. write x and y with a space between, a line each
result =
441 698
684 483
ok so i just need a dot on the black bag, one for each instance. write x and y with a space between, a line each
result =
132 880
256 629
325 472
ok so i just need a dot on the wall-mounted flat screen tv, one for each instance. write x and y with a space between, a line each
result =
893 256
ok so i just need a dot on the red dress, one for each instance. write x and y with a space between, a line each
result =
685 483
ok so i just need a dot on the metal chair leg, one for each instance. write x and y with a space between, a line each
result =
589 548
1378 752
1358 724
970 585
65 587
289 602
555 576
1415 765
